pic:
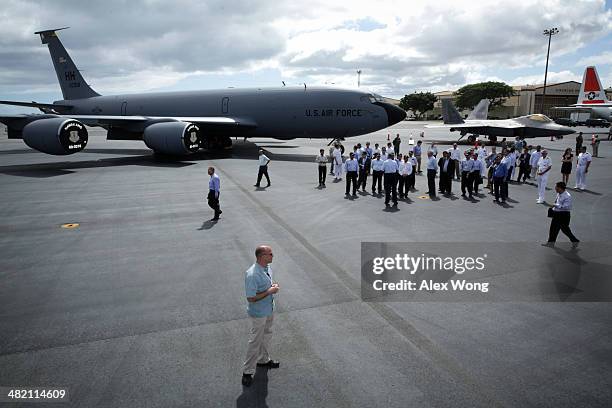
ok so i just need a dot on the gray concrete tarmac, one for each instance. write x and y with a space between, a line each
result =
143 304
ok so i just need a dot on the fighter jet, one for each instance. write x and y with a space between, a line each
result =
529 126
592 96
178 123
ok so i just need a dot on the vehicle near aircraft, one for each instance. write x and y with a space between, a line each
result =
565 122
592 97
580 118
535 125
178 123
597 123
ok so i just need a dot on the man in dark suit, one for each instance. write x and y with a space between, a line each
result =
447 169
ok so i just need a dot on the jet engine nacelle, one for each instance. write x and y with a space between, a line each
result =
59 136
173 138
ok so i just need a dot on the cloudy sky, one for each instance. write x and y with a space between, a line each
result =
400 46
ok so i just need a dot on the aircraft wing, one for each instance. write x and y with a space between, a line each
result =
117 120
474 125
574 108
36 104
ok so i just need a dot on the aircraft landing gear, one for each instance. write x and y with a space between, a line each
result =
338 139
211 142
471 139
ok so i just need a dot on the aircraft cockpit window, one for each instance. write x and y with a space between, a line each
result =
375 98
538 117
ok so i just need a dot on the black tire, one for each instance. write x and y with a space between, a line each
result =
471 139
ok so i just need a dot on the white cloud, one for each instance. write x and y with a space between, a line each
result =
399 46
553 77
605 58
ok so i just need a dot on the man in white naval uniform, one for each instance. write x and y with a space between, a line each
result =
582 168
533 161
482 155
337 163
544 166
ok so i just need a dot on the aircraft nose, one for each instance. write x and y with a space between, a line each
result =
394 113
567 131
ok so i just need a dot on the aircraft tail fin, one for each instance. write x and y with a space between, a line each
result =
591 91
70 79
481 111
450 115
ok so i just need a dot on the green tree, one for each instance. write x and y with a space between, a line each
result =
418 103
496 92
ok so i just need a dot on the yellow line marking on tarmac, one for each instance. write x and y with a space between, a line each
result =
71 225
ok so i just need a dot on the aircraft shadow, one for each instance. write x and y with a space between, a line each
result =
63 168
41 173
144 157
280 147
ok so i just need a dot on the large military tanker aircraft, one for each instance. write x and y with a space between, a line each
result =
179 123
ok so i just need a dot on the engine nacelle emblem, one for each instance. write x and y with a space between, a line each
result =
192 137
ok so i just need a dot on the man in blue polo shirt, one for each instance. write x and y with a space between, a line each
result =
417 153
213 192
390 168
260 290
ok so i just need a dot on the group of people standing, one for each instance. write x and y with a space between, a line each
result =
396 172
389 170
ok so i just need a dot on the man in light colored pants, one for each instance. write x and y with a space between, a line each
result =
259 342
544 166
337 164
582 168
260 290
533 161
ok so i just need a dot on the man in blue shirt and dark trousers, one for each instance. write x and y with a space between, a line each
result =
260 290
390 169
500 186
432 167
213 192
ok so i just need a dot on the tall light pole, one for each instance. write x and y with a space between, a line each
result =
549 32
358 78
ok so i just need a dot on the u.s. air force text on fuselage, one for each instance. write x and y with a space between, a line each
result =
348 112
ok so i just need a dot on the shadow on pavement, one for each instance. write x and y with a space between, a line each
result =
256 394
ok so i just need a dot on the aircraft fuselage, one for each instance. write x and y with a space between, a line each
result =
281 113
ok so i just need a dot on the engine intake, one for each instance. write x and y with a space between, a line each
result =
173 138
58 136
